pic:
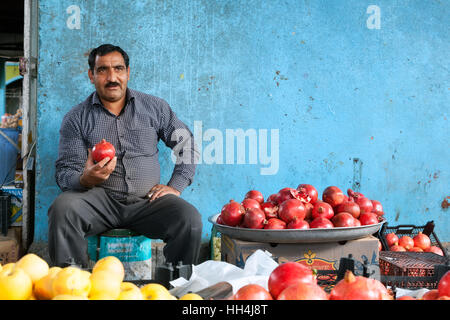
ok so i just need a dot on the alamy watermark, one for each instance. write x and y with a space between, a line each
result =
234 146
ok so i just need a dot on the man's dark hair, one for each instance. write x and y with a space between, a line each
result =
105 49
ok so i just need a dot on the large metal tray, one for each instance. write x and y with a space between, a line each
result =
315 235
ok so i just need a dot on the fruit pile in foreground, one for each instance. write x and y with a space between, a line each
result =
301 208
419 243
31 278
293 281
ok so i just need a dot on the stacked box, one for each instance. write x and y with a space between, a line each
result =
319 256
10 246
15 218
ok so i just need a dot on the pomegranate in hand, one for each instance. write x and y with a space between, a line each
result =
102 150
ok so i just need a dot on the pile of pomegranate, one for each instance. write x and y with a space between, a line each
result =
301 208
294 281
419 243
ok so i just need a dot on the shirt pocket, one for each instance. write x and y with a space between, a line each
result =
142 141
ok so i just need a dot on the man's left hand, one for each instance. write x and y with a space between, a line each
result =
160 190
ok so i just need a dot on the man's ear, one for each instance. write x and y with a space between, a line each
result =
91 76
128 72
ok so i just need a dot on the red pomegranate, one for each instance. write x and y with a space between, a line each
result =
298 224
102 150
406 242
377 208
350 207
303 291
343 219
435 249
322 209
333 196
270 209
287 274
254 218
354 194
232 213
291 209
444 285
422 241
256 195
286 194
252 292
275 223
219 219
359 288
405 298
250 203
321 222
365 204
367 218
272 198
430 295
309 208
308 193
391 239
396 247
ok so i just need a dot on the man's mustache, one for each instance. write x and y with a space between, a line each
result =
112 84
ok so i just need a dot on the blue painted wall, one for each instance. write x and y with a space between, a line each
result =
336 88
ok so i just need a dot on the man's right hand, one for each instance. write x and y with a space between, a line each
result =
96 173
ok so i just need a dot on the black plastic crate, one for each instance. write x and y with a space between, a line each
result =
411 231
412 270
5 207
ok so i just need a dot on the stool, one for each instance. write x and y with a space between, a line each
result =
117 233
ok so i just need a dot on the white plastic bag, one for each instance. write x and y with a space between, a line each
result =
257 269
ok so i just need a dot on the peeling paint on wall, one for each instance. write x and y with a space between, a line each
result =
445 203
329 88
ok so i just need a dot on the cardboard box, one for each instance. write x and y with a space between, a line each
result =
10 246
320 256
15 218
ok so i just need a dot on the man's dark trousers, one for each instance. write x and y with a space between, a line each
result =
74 215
